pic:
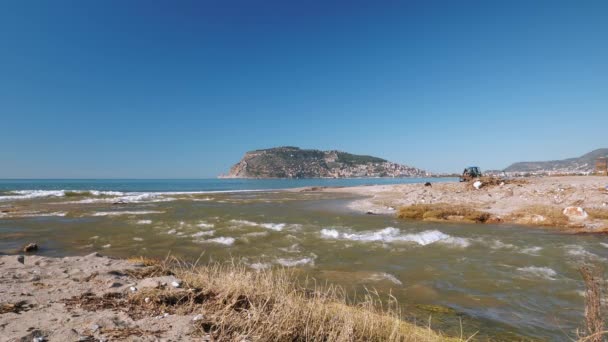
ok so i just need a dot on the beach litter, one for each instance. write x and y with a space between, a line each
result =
477 185
575 213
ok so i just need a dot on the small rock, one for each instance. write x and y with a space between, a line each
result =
35 277
95 327
21 259
40 339
133 289
477 185
30 247
370 213
575 213
147 299
197 318
176 283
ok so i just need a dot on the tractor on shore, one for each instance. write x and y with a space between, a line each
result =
470 173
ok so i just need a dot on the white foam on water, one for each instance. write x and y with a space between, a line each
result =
138 239
291 249
144 222
604 244
497 244
256 234
172 231
205 225
106 246
31 194
532 250
273 226
244 223
580 252
295 262
145 197
391 234
205 233
542 272
119 213
37 214
385 276
220 240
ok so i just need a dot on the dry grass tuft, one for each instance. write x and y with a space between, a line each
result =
237 303
540 215
597 213
594 321
269 305
443 212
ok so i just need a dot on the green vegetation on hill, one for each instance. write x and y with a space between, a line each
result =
293 162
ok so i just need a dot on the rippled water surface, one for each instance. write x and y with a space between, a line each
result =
505 281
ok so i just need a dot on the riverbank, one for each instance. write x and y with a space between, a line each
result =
528 201
95 298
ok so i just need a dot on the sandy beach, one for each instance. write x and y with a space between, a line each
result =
511 201
96 298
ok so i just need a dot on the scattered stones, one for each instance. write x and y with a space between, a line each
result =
575 213
30 247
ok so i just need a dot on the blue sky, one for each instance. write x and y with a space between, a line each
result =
147 89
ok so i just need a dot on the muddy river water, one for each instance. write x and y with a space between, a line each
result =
504 282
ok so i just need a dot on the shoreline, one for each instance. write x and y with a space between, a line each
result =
96 298
538 202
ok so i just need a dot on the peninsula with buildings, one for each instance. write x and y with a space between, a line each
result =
294 162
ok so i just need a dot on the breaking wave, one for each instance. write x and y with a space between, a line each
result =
542 272
295 262
219 240
391 234
272 226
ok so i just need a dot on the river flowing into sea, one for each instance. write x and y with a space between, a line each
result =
504 282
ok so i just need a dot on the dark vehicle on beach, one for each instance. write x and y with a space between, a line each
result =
469 173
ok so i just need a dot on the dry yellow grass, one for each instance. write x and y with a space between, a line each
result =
443 212
597 213
539 215
239 304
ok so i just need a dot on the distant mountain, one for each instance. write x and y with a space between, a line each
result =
584 163
293 162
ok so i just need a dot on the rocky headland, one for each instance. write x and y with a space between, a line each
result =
293 162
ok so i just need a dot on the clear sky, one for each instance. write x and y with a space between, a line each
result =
172 89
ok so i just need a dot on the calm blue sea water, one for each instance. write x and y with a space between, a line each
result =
152 185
